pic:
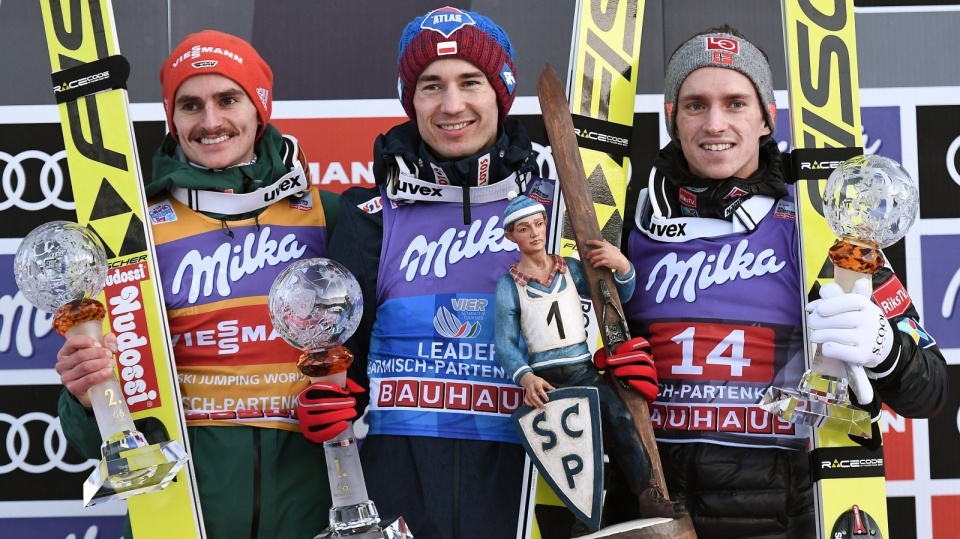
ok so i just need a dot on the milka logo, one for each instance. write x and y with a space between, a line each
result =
702 271
20 324
454 245
229 264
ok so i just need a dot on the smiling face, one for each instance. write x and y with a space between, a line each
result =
719 123
529 233
456 109
215 120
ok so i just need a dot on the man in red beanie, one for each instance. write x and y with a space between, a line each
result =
231 206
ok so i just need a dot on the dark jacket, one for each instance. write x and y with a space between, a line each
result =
252 481
443 487
735 492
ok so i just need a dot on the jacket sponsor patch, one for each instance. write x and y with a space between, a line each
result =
917 333
892 297
162 212
304 202
785 210
373 205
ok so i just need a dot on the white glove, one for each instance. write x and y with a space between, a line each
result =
850 327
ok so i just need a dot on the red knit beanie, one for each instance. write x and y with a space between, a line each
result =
218 53
452 33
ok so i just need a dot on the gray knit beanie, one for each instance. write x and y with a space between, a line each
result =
719 50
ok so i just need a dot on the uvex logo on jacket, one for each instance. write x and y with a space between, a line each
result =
673 230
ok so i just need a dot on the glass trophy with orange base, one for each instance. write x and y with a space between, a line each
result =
60 268
869 202
315 305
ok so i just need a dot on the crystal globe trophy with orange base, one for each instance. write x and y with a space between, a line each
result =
869 202
60 268
315 305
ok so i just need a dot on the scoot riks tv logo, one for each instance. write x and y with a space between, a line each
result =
128 320
451 326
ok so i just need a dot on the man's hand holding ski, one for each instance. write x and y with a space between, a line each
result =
633 364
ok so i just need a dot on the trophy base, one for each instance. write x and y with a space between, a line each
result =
824 387
397 530
798 408
354 517
648 528
130 466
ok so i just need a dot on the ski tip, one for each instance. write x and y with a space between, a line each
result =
549 73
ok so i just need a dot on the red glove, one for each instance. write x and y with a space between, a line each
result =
633 364
324 409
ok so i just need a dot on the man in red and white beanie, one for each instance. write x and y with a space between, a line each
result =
452 33
425 245
228 191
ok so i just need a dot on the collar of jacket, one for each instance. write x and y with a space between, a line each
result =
512 152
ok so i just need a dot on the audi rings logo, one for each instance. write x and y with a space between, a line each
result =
952 160
15 181
18 444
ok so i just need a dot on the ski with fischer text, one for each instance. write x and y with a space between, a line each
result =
820 43
89 84
601 89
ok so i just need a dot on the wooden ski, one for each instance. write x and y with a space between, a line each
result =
602 85
603 292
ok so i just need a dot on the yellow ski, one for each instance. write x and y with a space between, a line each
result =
89 84
820 42
601 88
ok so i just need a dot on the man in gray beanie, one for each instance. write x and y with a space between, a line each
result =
715 244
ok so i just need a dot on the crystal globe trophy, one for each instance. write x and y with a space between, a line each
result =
315 305
869 202
61 267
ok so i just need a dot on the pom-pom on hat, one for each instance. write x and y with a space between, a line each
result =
213 52
719 50
520 207
449 32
